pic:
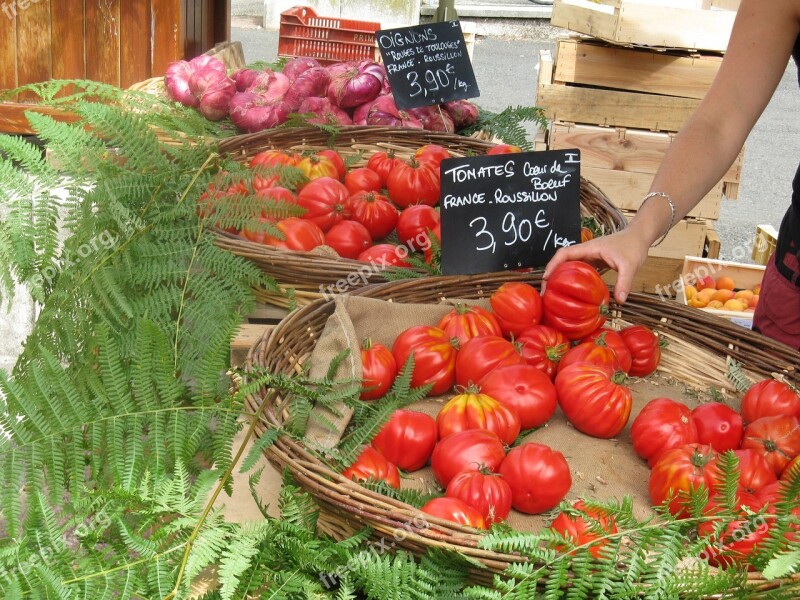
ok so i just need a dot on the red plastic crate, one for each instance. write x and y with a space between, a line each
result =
328 39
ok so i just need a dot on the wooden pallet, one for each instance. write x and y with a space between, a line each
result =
261 320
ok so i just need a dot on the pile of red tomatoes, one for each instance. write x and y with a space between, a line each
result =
380 213
506 370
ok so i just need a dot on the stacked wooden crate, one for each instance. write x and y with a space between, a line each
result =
622 106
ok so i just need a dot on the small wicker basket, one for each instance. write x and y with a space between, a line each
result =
699 351
307 273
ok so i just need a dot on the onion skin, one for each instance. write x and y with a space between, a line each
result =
216 99
327 113
251 112
384 112
357 84
270 85
434 118
176 81
244 78
311 83
464 113
296 66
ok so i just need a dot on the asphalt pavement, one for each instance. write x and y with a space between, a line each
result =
506 69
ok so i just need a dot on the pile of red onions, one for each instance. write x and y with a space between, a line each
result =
343 93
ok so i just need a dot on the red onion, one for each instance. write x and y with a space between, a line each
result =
312 82
294 67
385 112
270 84
357 85
179 74
251 112
216 98
244 78
434 118
464 112
361 112
327 112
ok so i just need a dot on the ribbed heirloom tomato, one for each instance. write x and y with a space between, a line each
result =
754 471
473 410
300 235
407 439
576 299
464 322
433 153
718 425
584 529
593 351
385 255
480 355
383 163
453 509
680 472
349 238
378 370
543 347
486 492
776 438
315 166
524 388
614 341
769 398
539 477
594 399
645 349
413 182
740 538
336 159
267 164
517 306
375 212
434 357
661 425
414 225
325 200
371 464
362 179
469 450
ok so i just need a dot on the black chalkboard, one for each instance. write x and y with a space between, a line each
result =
508 211
427 64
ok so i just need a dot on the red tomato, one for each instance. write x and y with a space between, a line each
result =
414 224
481 355
224 204
434 357
488 493
473 410
585 530
299 235
407 439
274 200
348 238
576 299
378 370
538 475
383 163
371 464
524 388
337 161
680 472
754 470
594 399
266 164
413 182
614 340
769 398
504 149
315 166
718 425
326 201
433 153
374 212
469 450
385 255
741 536
362 179
593 351
644 347
663 424
792 466
543 347
776 438
517 306
465 322
453 509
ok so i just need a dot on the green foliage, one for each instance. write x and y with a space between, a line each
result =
507 124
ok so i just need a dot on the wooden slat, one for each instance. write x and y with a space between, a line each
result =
168 35
103 41
244 339
69 59
626 190
656 276
638 70
731 190
8 52
12 117
611 108
222 21
134 42
577 16
34 63
686 238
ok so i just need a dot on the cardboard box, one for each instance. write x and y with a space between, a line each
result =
745 276
687 24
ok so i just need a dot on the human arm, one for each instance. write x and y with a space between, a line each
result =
761 42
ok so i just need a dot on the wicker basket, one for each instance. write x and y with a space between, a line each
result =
306 273
698 352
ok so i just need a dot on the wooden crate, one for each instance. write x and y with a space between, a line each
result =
263 318
110 41
623 161
687 24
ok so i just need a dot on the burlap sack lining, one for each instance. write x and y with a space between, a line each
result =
601 469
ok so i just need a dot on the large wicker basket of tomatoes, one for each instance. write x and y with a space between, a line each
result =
578 429
362 205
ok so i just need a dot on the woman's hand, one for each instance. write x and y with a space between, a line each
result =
625 252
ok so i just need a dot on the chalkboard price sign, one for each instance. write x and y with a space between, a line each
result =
427 64
508 211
